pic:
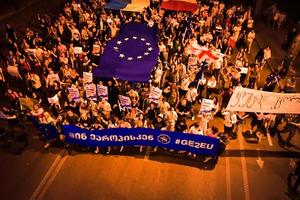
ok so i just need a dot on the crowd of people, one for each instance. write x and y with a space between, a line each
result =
43 63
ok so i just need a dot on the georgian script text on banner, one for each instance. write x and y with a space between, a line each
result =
249 100
197 144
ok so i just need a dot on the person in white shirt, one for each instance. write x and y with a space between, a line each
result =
192 94
267 56
229 120
250 38
211 86
184 85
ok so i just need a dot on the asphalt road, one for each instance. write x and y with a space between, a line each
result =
245 171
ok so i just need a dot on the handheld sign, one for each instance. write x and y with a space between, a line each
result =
74 94
90 92
87 77
124 102
77 50
206 105
155 94
53 100
102 91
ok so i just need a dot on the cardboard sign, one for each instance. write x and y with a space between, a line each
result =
77 50
155 94
102 91
90 92
124 102
53 100
206 105
87 77
74 94
244 70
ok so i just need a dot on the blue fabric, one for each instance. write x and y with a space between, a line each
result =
131 55
197 144
48 131
117 4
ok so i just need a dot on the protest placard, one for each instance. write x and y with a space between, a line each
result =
244 70
74 94
155 94
206 105
87 77
90 92
124 102
53 100
77 50
250 100
102 91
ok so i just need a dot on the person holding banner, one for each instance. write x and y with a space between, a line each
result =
47 119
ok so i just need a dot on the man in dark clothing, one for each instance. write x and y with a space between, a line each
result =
289 39
271 81
160 122
293 124
286 64
71 118
296 173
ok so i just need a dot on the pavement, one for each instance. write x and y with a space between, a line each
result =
244 172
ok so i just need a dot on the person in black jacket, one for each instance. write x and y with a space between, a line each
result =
295 172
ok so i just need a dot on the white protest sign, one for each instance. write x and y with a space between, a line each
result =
124 102
244 70
155 93
53 100
74 94
90 92
249 100
77 50
54 77
102 91
87 77
206 105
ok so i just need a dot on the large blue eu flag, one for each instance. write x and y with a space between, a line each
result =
131 55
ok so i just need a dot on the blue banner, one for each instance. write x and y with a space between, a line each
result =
197 144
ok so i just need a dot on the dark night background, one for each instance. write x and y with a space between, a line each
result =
291 7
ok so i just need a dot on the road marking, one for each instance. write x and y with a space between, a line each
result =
228 181
269 139
47 176
259 161
52 177
244 171
147 154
